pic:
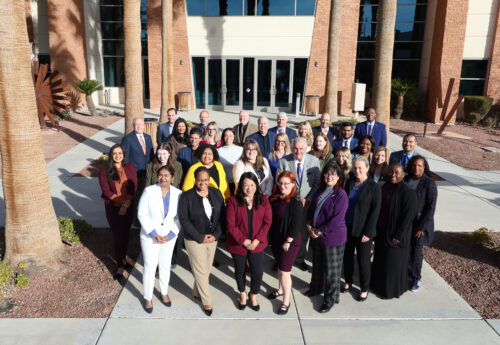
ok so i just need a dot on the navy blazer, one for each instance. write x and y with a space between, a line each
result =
185 157
379 133
289 131
426 199
337 144
333 133
163 131
260 140
134 153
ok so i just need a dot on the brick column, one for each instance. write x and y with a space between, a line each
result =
68 51
493 78
447 52
182 73
316 76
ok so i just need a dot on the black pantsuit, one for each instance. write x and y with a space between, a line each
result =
257 270
120 227
327 270
416 258
363 251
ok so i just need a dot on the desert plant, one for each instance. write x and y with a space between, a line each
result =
473 118
488 122
72 229
21 280
5 273
400 88
88 87
483 237
477 104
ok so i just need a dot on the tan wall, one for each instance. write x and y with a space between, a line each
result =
447 52
316 76
493 79
67 42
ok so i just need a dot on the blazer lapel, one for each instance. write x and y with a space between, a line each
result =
159 198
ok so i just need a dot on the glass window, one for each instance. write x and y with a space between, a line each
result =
407 70
407 50
472 87
411 13
250 7
364 72
276 8
299 79
114 73
474 69
111 2
112 47
224 8
366 50
411 2
199 81
111 13
368 14
409 31
112 30
196 7
367 32
305 7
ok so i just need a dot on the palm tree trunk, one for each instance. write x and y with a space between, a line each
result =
31 228
381 96
91 105
332 74
167 70
134 106
399 108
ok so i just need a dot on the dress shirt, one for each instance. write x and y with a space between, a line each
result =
346 142
368 126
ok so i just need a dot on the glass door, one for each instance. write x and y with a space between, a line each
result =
232 88
214 84
281 90
264 78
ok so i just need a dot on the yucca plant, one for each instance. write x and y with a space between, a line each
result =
400 88
88 87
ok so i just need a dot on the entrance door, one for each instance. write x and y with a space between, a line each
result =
214 84
273 85
232 88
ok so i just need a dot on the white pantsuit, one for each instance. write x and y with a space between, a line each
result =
151 215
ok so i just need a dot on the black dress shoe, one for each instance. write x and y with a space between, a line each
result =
325 308
117 276
362 299
253 307
148 310
167 304
208 312
344 289
303 266
275 294
283 309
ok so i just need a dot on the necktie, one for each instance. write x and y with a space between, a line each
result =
345 143
299 171
404 161
370 129
143 145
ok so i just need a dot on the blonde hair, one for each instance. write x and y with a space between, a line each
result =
348 163
259 160
272 155
326 150
309 132
217 134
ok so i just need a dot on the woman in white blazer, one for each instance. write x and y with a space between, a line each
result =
251 160
159 230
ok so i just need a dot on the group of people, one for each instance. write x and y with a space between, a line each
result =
254 187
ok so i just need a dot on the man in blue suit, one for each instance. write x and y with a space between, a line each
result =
331 132
138 147
373 128
187 155
264 137
282 120
346 138
165 129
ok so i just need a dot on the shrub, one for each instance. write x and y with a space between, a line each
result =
21 280
5 273
412 106
477 104
72 229
314 123
483 237
473 118
488 122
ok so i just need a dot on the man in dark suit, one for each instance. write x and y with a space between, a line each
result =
244 128
306 169
331 132
187 155
372 128
282 120
138 147
204 120
165 129
346 138
264 137
403 157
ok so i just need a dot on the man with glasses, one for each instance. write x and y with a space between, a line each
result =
346 138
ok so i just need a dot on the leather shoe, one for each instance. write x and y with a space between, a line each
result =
283 309
275 294
242 306
148 310
208 312
167 304
253 307
325 308
362 299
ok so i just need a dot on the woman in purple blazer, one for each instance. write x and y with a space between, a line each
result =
326 226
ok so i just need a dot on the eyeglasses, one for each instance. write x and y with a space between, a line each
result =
284 184
281 142
212 129
251 150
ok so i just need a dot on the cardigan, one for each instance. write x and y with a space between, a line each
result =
266 184
293 220
189 179
366 210
237 225
109 189
152 177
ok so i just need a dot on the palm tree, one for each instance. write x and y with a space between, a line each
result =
400 88
31 228
88 87
381 93
134 106
167 70
333 59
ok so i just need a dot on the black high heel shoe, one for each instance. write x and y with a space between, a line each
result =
283 309
362 299
242 306
254 307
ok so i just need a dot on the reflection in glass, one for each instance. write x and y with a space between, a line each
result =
248 89
474 68
472 87
214 81
232 82
299 78
366 50
406 69
305 7
276 7
264 83
409 31
111 13
199 81
367 32
368 14
282 83
112 30
411 13
407 50
224 8
195 7
114 73
364 71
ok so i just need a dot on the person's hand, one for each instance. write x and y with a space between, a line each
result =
419 233
122 211
159 239
246 243
364 239
165 239
286 246
395 241
127 203
209 238
313 234
254 244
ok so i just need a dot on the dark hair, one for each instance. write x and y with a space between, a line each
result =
196 130
171 160
175 111
199 170
338 171
347 124
240 196
168 168
415 158
276 189
201 148
370 138
222 141
111 173
259 161
176 134
410 135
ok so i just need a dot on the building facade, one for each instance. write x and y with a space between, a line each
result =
259 54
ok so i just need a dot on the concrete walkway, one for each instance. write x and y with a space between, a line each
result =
434 315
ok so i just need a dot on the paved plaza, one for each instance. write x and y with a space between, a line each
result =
435 314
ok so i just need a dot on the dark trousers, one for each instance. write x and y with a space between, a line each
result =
326 270
305 238
120 227
363 254
178 247
256 269
416 258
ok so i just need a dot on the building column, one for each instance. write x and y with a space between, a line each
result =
493 77
94 47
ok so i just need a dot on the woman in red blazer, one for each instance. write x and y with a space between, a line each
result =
249 217
118 180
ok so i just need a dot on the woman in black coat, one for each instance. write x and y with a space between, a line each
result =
392 244
423 225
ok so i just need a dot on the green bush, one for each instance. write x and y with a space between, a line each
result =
477 104
72 229
483 237
473 118
488 122
314 123
412 106
5 274
21 280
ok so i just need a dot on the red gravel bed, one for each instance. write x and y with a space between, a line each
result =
472 271
462 152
